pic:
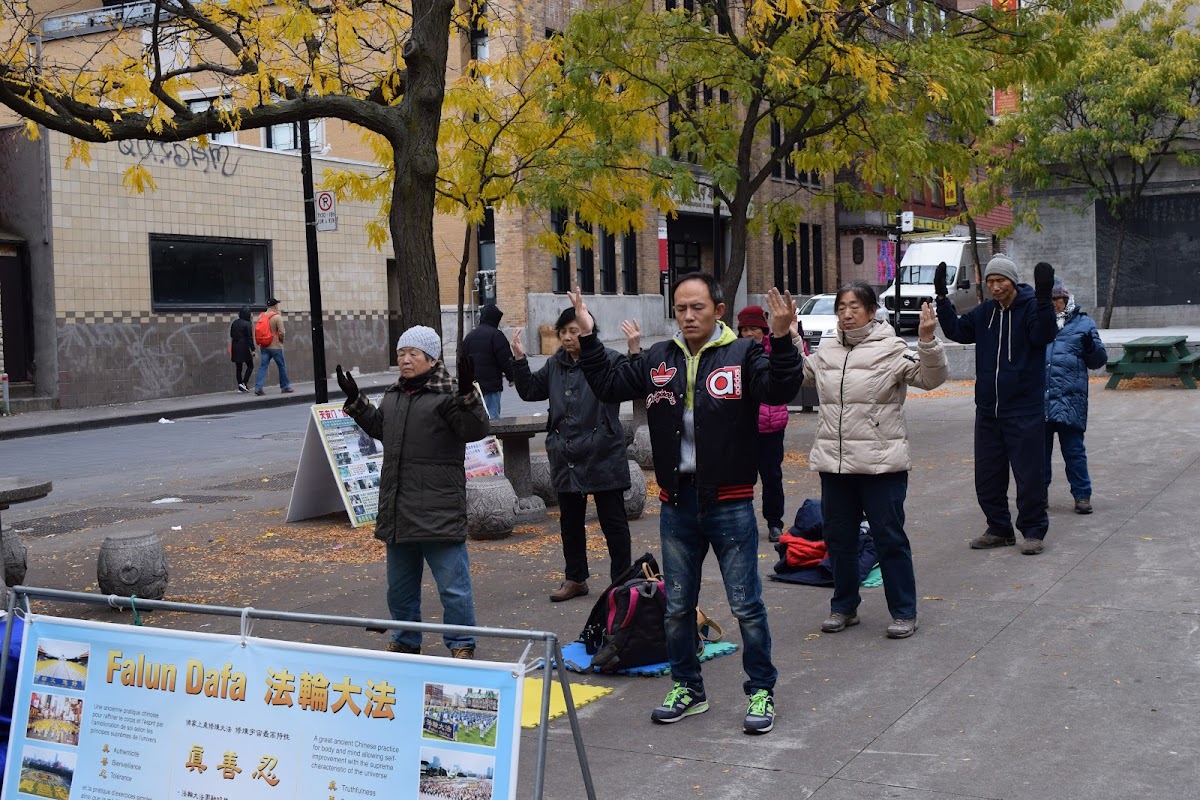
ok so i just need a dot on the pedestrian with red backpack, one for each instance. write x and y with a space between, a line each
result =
269 334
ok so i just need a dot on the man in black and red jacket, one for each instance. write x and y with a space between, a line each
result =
702 388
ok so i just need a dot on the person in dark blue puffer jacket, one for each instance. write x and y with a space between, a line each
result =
1075 350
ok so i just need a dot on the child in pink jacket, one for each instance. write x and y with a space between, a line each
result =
752 323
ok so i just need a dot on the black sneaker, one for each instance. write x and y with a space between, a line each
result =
682 701
1083 505
773 534
760 714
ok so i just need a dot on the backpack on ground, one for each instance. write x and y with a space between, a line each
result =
263 336
627 625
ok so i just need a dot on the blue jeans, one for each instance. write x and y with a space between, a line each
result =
452 573
845 499
687 531
269 355
1070 441
491 401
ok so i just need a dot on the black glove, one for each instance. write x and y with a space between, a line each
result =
346 381
1089 345
1043 281
466 375
939 281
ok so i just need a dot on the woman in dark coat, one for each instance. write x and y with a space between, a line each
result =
1075 350
585 444
241 348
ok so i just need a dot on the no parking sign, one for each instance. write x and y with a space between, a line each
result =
326 211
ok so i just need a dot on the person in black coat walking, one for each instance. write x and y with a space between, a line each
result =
492 356
241 348
585 443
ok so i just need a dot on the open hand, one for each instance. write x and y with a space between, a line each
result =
927 324
633 335
783 312
348 384
518 348
583 317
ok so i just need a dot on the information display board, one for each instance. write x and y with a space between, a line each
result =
339 468
110 711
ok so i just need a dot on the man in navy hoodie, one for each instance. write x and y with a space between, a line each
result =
1010 332
493 357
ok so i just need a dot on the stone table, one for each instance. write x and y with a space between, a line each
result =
17 490
514 434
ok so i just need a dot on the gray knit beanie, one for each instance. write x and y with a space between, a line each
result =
1003 266
424 339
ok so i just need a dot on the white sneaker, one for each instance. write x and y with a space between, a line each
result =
242 388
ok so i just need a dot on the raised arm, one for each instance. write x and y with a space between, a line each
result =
956 328
776 378
530 385
613 380
930 369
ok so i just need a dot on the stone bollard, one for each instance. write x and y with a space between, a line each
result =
133 564
15 557
635 495
491 508
639 447
543 486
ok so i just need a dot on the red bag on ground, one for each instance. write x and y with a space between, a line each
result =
802 552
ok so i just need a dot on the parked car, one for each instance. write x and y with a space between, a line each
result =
818 319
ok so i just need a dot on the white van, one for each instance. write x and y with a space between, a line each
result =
916 275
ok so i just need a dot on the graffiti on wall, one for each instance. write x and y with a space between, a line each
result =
213 160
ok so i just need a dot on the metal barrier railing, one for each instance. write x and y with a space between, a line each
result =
552 660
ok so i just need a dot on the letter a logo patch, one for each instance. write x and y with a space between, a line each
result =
725 383
662 374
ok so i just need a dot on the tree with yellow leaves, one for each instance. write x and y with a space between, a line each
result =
379 64
886 92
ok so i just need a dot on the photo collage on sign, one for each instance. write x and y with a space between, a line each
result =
358 458
463 720
48 752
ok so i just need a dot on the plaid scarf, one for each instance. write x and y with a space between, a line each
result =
435 380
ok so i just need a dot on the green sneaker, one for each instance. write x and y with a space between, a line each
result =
760 714
682 701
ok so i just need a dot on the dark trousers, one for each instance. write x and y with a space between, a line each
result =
1019 444
770 472
845 499
243 377
610 508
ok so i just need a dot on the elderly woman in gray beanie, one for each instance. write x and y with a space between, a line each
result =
424 420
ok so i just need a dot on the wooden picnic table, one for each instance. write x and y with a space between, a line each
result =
1158 356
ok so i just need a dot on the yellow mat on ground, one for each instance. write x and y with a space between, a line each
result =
531 707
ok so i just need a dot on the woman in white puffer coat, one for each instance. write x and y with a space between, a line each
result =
861 450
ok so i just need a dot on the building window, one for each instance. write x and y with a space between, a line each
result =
585 262
818 260
608 262
778 242
629 264
287 135
793 277
203 272
561 275
204 104
805 261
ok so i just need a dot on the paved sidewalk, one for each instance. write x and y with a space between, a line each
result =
1072 674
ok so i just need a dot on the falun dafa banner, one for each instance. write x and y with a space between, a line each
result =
113 712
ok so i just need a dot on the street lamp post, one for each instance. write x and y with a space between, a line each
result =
320 382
